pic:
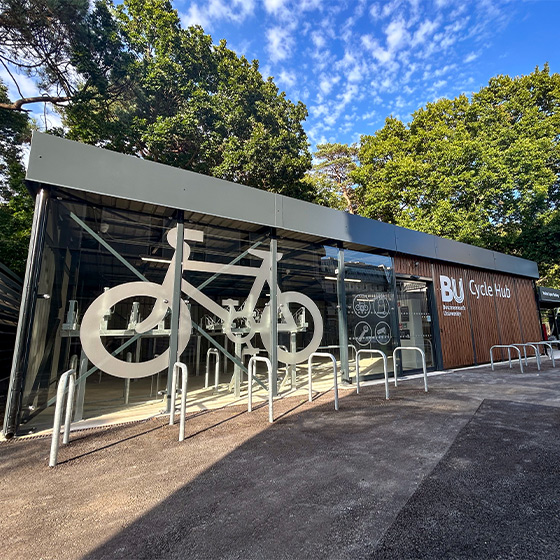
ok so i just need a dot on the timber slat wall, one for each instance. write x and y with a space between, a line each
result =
485 320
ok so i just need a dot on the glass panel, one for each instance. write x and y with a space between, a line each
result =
370 305
307 282
86 249
415 322
225 283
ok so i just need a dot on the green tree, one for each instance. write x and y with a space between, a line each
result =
131 79
16 206
483 171
332 174
71 49
197 106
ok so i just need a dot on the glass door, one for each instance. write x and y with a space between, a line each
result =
415 323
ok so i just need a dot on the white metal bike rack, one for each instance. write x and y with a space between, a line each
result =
335 374
414 349
536 350
212 352
178 366
383 355
551 342
286 369
67 379
252 367
509 347
544 343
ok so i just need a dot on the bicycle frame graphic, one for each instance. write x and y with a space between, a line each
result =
240 323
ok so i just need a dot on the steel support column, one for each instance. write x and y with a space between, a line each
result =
342 324
175 309
273 284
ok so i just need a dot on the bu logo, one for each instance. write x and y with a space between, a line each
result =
449 289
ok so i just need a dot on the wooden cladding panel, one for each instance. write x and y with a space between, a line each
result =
506 307
530 321
455 331
407 265
487 319
483 313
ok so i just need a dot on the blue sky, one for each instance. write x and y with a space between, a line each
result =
355 63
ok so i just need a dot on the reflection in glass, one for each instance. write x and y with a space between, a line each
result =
415 322
370 308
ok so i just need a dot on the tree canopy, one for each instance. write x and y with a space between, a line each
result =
331 177
16 210
131 79
483 170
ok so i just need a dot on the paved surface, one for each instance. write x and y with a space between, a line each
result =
315 484
495 494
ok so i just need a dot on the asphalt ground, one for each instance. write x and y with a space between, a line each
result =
468 470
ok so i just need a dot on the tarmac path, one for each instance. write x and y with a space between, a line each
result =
315 484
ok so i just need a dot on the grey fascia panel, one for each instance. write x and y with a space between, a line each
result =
373 233
461 253
416 243
515 265
304 217
73 165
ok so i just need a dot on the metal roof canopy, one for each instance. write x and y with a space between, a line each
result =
73 165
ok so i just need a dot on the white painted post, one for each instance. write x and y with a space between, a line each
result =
251 370
414 349
67 378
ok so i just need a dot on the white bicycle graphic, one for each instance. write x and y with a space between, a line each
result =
240 324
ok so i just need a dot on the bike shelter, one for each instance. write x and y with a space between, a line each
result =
134 266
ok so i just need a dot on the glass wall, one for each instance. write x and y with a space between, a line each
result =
307 292
370 308
226 288
90 250
106 294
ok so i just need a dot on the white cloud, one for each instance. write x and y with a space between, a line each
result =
216 10
326 83
471 57
425 29
27 85
318 39
379 53
390 8
400 102
310 5
288 78
279 43
397 35
375 11
274 6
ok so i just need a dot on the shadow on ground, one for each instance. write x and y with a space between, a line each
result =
315 484
495 494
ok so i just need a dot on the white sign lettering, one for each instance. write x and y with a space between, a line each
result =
487 290
452 292
449 289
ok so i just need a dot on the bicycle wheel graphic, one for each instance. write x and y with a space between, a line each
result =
294 301
91 338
